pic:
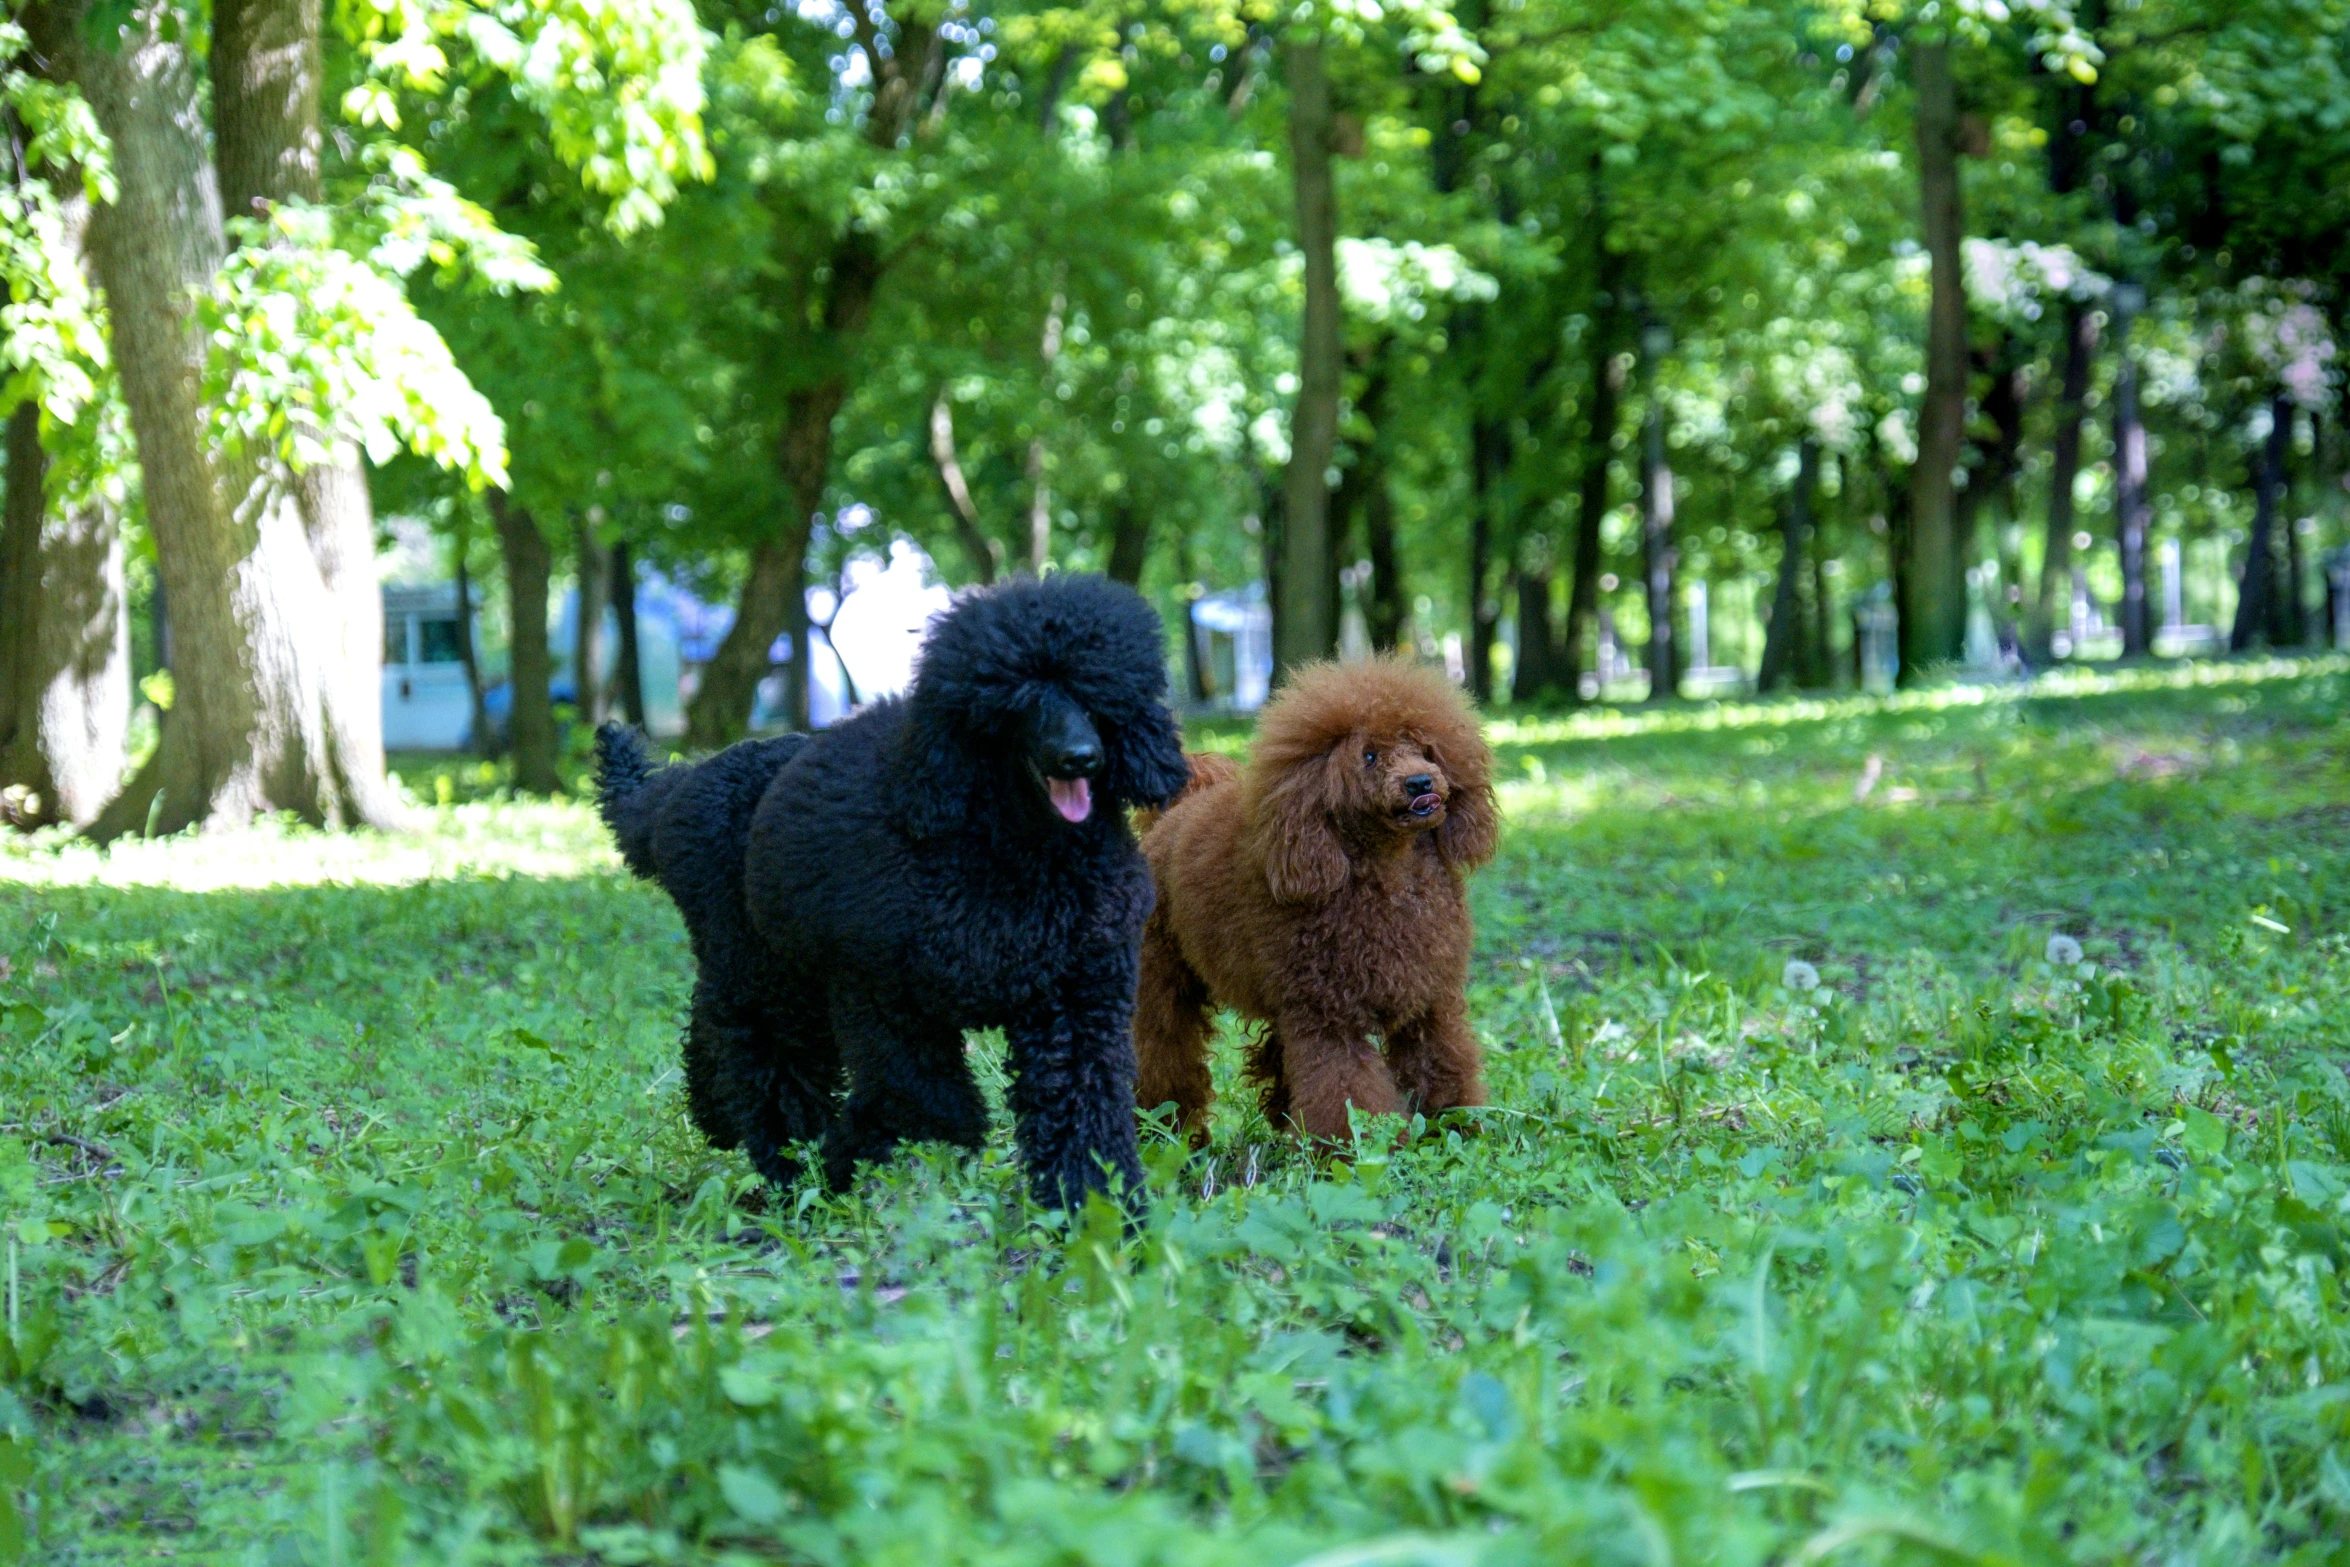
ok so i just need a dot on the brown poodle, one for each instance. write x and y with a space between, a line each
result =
1321 892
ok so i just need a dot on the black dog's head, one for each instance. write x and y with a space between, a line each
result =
1053 693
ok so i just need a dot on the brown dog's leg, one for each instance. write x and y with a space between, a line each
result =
1325 1072
1436 1060
1171 1033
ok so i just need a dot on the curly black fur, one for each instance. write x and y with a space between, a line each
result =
859 899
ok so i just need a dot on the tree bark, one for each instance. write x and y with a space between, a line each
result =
1384 612
985 554
629 676
592 564
1783 651
2292 604
1607 385
1040 490
1536 673
484 738
2258 614
65 684
1306 623
1490 456
1130 542
2003 405
1816 669
23 506
774 598
1658 557
1933 605
267 75
2064 468
530 726
2129 493
253 724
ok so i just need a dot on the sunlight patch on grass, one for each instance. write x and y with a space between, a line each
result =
1693 718
508 838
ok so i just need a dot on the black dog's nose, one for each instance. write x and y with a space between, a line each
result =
1419 783
1061 740
1077 757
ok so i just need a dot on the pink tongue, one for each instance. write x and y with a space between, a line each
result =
1423 804
1072 797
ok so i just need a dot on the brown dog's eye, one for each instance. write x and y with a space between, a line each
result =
1370 758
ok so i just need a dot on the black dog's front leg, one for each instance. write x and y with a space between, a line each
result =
908 1081
1072 1094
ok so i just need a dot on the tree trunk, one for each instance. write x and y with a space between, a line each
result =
2292 605
1490 455
985 554
65 683
774 603
1607 385
592 565
1933 605
484 739
2257 616
1040 490
2056 563
23 508
1816 669
629 676
1537 670
2003 405
1130 542
266 77
1384 612
2129 492
265 88
339 518
254 724
1783 651
775 593
530 726
1658 557
775 598
1306 623
1198 683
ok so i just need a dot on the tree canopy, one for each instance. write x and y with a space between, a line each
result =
1622 350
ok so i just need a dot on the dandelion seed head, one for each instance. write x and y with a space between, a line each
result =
1799 975
2063 951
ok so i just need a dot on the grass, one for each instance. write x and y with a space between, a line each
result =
351 1214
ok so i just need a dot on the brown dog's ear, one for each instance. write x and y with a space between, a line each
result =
1304 861
1472 816
1472 826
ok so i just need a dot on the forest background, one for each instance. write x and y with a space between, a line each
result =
1503 329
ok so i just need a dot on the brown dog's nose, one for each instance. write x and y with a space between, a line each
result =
1419 783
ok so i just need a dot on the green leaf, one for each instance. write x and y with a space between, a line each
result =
754 1497
2206 1135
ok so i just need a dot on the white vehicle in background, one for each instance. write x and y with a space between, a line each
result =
428 702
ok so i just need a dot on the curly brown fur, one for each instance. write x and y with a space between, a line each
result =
1309 894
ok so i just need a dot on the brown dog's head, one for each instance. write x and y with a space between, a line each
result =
1357 761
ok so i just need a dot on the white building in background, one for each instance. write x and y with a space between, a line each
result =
1233 632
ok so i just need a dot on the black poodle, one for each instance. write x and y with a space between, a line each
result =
955 859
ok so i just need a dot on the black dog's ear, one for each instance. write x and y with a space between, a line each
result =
1147 766
936 777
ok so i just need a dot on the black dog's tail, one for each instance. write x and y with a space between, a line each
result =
628 794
